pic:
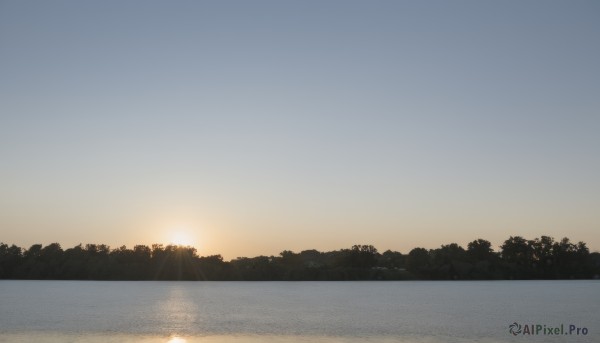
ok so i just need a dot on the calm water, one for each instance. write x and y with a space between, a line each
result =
177 312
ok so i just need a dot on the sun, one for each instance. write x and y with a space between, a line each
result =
181 237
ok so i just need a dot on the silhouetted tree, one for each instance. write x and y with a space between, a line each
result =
419 262
480 250
519 259
517 250
10 259
360 256
392 260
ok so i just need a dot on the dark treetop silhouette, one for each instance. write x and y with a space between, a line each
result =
518 258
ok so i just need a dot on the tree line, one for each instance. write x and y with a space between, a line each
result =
518 258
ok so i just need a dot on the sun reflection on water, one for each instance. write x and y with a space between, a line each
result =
177 339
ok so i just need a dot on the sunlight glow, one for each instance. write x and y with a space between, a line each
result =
176 339
181 237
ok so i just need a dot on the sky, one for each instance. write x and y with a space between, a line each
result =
247 128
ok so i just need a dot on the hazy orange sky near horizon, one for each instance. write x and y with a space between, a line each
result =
249 128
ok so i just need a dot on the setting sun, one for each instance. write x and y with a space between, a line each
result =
181 237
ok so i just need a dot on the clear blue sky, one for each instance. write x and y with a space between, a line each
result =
251 127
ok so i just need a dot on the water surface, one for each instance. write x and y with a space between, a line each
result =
177 312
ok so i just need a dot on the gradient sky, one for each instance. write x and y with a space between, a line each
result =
258 126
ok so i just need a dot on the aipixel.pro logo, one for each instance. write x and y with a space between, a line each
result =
516 329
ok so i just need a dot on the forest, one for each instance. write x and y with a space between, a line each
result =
517 259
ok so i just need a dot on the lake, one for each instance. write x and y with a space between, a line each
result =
406 311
